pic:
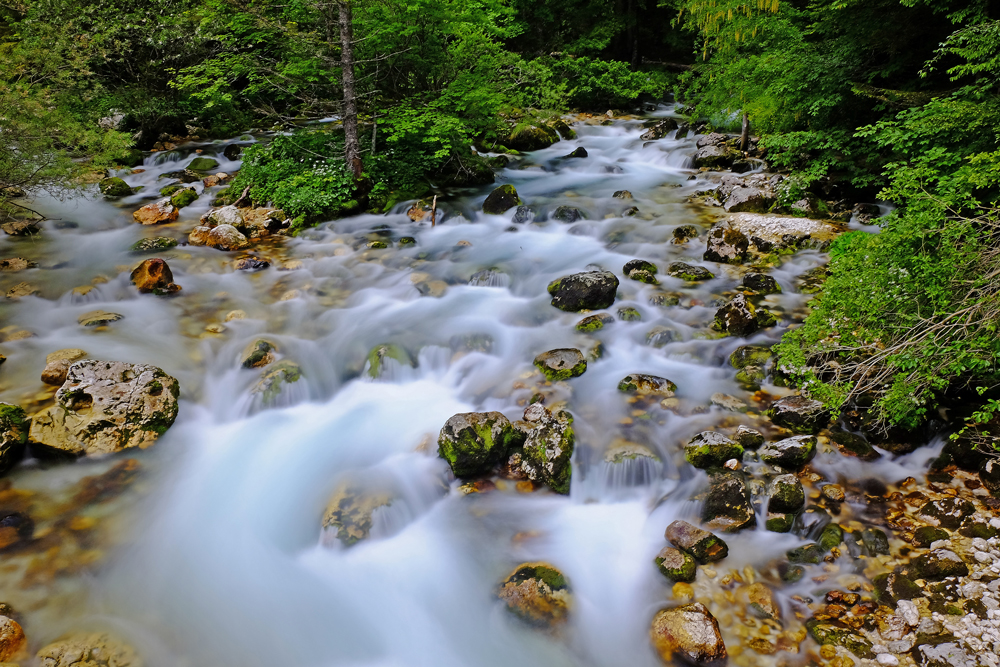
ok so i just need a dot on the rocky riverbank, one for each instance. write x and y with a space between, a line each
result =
631 366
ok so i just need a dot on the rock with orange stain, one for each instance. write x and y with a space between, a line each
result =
12 639
538 594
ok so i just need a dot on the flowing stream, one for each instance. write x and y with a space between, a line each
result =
218 557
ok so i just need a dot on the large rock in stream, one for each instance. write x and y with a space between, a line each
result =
548 447
473 442
592 290
107 406
799 414
501 199
688 634
158 212
727 504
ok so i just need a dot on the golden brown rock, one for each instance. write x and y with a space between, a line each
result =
12 639
156 213
688 633
153 275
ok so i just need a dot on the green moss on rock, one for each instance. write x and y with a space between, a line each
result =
676 565
473 442
114 187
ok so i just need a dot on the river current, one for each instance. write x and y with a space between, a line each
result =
218 557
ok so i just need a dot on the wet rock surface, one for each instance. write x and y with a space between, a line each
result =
592 290
688 634
106 407
538 594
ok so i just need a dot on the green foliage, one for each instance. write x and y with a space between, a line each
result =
304 174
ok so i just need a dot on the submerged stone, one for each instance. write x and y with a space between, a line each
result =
258 354
567 214
377 356
761 283
98 318
851 444
473 442
203 164
750 355
629 314
762 601
275 380
155 244
647 385
349 513
701 544
689 634
538 594
561 364
108 406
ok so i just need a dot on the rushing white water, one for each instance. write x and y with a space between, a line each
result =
224 562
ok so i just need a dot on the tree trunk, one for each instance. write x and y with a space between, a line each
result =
745 137
352 146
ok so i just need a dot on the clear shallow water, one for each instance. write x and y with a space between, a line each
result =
220 558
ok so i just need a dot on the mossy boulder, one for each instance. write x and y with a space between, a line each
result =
831 537
748 438
376 361
799 414
807 553
727 505
106 407
684 233
13 435
561 364
276 380
689 272
949 513
928 535
203 164
549 442
473 442
709 449
114 187
538 594
890 588
184 197
790 453
876 541
779 522
688 634
592 323
727 245
531 136
592 290
701 544
939 564
676 565
750 355
786 494
155 244
761 283
501 199
738 317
